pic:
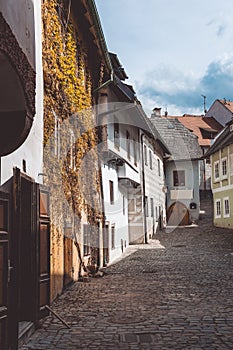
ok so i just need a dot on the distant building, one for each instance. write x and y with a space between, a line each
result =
181 171
221 110
132 168
221 157
206 129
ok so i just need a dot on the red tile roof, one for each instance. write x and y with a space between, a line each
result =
198 123
227 104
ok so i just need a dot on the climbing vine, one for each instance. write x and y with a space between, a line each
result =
67 92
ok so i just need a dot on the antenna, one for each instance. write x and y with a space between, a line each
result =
204 98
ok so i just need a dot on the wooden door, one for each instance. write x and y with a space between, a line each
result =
178 215
4 268
44 251
68 259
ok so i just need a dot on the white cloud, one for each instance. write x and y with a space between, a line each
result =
170 88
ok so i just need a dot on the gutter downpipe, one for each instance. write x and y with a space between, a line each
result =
143 190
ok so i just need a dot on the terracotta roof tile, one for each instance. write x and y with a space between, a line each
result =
198 123
227 104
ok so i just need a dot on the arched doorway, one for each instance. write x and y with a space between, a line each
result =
17 86
178 215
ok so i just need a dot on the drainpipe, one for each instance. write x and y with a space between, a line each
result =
143 189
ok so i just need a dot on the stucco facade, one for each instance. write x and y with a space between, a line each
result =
153 168
222 186
24 19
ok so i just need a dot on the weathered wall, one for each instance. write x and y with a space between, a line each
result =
73 172
24 18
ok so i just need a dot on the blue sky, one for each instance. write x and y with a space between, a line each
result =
174 51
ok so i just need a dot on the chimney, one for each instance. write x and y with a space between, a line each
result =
156 112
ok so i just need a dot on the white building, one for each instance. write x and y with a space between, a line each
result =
132 168
154 188
22 93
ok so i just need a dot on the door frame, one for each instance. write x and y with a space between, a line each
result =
5 266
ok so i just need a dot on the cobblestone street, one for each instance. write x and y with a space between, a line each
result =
174 293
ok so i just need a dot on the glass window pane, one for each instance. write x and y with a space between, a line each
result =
44 210
44 249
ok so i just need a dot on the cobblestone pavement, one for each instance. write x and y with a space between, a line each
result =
174 293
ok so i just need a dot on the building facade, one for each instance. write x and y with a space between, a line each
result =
24 219
221 156
221 110
181 171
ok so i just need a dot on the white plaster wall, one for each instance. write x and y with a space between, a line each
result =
19 14
32 149
154 184
191 183
133 172
114 212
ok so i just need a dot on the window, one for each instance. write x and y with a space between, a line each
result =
146 206
57 135
135 152
116 135
178 178
218 208
123 204
72 151
128 144
152 207
113 236
159 170
150 159
86 239
224 167
145 154
226 207
216 170
111 192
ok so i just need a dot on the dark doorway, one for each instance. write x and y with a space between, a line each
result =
178 215
27 274
4 268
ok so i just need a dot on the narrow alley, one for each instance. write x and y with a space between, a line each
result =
174 293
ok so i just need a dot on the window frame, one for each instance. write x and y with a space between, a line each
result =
224 160
116 133
177 178
217 209
128 144
226 214
159 167
146 207
150 159
113 236
111 192
152 214
216 163
135 152
145 154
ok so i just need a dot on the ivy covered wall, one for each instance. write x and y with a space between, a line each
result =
70 138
